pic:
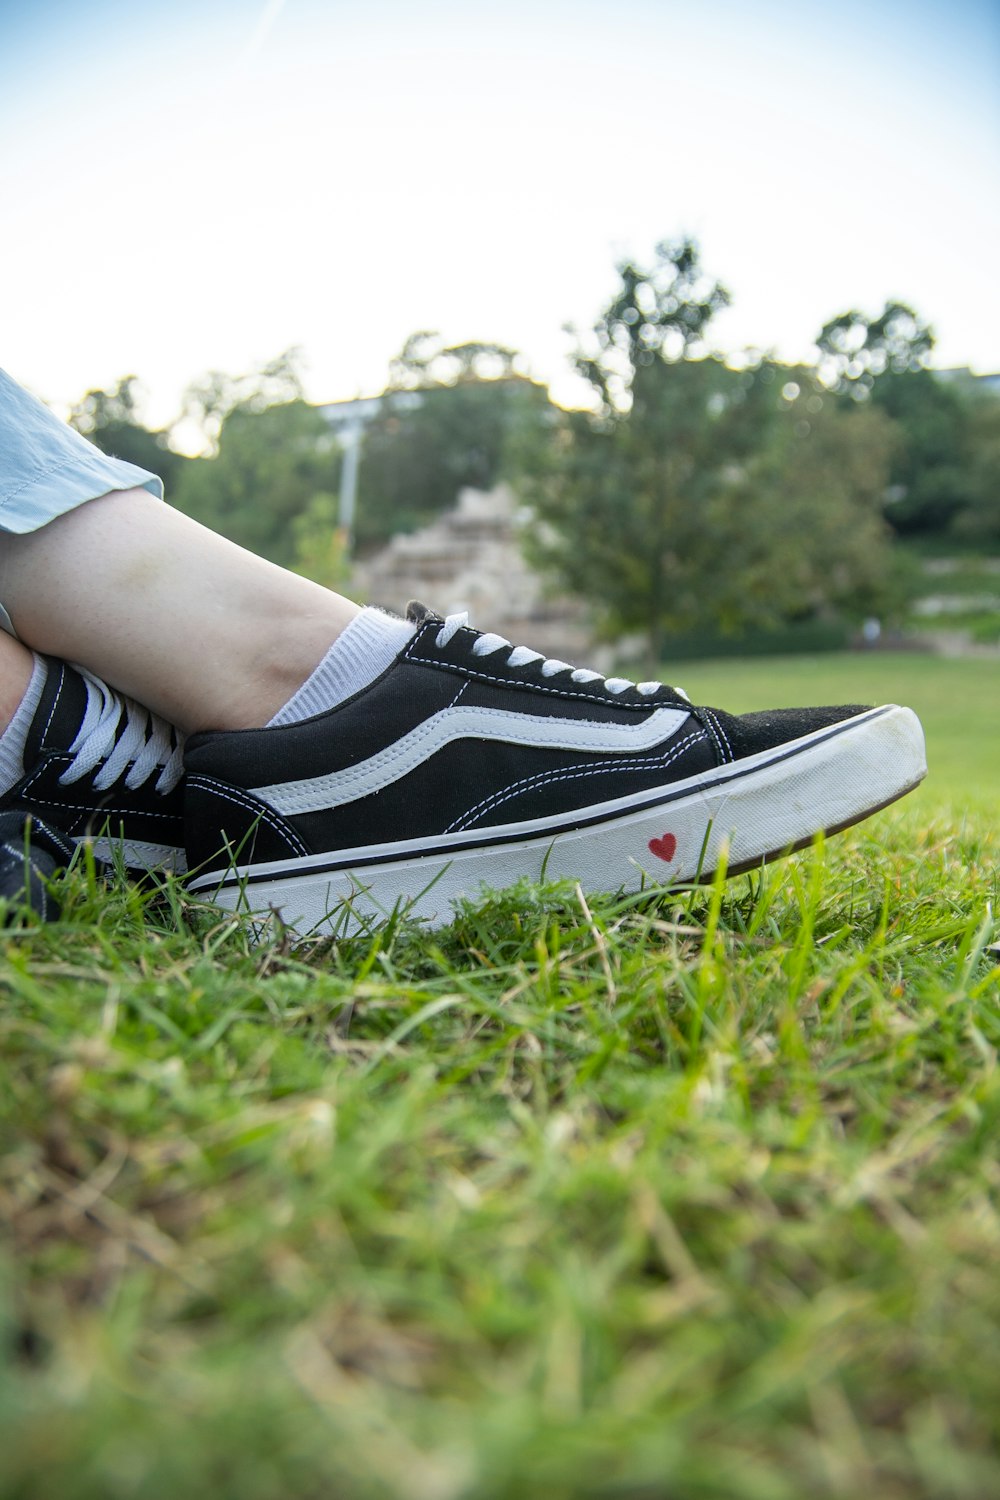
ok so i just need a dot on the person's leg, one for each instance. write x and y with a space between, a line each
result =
170 628
96 571
205 634
16 663
174 629
73 754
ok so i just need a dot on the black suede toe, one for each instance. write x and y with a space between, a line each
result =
747 734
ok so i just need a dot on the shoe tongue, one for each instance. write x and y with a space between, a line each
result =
59 713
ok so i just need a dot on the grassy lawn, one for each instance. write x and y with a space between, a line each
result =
687 1197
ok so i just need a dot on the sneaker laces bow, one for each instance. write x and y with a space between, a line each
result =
488 642
119 735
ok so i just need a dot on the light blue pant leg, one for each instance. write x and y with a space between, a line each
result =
47 469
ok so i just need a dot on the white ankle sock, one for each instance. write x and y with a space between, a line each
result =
12 766
360 653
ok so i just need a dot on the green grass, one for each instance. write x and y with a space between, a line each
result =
692 1197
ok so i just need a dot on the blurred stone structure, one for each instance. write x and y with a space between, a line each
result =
470 558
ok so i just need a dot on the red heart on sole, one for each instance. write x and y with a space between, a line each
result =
664 848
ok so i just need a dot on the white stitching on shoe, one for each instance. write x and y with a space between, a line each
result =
725 738
91 809
247 804
546 778
573 773
720 737
487 642
608 700
451 725
538 687
55 701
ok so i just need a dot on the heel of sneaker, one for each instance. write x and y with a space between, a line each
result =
225 825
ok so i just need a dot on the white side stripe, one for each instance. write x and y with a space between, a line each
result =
337 788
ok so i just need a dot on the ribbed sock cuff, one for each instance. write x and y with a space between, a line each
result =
362 652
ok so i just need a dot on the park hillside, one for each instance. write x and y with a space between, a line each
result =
691 1194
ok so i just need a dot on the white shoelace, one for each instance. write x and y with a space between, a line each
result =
522 656
146 744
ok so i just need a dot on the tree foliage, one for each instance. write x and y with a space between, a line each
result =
939 476
802 523
702 496
209 400
425 362
930 482
855 350
448 419
273 480
659 312
980 520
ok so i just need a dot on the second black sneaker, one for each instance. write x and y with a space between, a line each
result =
31 853
471 763
103 768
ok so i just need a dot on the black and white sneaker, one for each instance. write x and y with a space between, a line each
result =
105 769
472 763
31 853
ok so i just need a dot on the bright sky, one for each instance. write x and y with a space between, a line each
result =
195 184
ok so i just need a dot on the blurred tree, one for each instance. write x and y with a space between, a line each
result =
275 465
660 311
110 419
449 418
801 527
425 362
855 350
623 501
208 401
321 550
884 360
699 496
980 520
930 483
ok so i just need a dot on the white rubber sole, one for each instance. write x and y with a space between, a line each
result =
136 855
756 809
